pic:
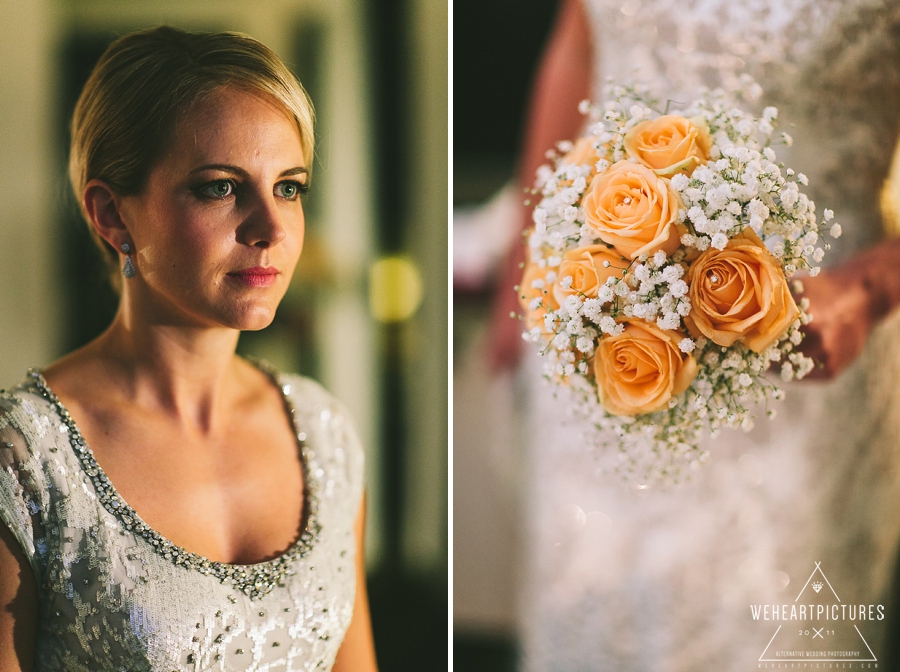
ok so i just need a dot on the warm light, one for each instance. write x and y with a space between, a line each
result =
890 198
395 289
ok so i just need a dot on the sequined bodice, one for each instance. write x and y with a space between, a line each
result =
116 595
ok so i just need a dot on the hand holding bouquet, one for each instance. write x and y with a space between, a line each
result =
657 275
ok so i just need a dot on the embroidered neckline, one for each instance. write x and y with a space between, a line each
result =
255 580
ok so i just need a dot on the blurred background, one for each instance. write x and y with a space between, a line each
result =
497 44
367 312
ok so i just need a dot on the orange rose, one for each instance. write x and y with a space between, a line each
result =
641 369
585 266
634 210
583 154
669 144
740 293
528 292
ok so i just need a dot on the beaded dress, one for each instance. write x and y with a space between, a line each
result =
115 595
637 578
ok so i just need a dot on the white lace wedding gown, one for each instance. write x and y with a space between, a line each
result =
638 579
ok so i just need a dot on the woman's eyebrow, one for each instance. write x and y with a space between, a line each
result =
299 170
225 168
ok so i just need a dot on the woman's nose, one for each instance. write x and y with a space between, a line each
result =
264 225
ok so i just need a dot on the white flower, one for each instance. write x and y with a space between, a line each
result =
787 371
678 288
572 303
802 179
744 380
669 321
659 258
770 113
744 127
828 215
570 213
584 344
585 106
679 181
607 324
788 140
672 273
719 241
605 293
789 194
835 231
686 345
818 255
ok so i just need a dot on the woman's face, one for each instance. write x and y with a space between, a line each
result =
219 226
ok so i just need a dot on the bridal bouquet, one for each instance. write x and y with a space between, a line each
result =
657 274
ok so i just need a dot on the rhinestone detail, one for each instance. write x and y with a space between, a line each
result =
255 580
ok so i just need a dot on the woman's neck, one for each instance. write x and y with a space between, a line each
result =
189 373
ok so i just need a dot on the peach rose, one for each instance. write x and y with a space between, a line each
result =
669 144
585 266
641 369
583 154
528 292
740 293
634 210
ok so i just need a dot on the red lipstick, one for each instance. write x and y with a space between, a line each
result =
258 276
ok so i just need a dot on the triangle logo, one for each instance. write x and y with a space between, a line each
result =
818 626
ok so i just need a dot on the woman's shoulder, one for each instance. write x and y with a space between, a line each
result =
27 412
33 461
332 450
307 397
317 414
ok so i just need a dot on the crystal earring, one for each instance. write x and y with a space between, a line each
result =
129 271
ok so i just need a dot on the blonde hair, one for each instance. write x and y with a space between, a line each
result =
126 114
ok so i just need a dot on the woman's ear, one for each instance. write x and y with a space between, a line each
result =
103 208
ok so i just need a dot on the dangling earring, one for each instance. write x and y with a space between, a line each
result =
129 271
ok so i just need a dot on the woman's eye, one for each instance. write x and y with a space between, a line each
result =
217 189
290 190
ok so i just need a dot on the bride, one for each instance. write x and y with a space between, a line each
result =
639 579
164 504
